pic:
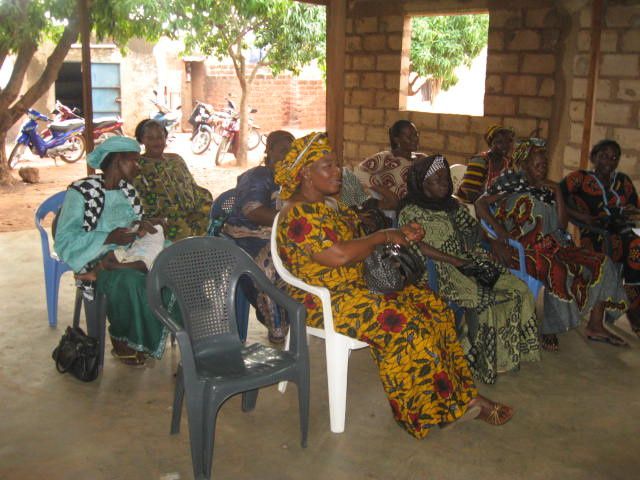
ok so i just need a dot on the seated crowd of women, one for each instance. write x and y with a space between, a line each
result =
427 369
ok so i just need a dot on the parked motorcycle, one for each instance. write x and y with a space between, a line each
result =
66 141
230 129
207 126
103 127
168 118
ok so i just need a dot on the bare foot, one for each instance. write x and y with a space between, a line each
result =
492 412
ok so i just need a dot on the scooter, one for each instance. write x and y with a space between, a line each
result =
207 126
66 141
103 127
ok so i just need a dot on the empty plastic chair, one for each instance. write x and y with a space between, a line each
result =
53 266
338 346
203 274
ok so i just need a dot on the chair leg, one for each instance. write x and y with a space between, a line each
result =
178 397
209 428
52 276
303 405
197 428
337 373
96 316
77 308
249 399
282 386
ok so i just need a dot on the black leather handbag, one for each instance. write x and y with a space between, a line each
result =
484 272
78 354
391 267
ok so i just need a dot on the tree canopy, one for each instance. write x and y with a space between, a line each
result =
441 44
288 34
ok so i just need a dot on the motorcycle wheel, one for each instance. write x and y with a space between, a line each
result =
217 134
75 154
224 147
17 154
200 142
254 139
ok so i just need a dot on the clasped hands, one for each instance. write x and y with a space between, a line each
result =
409 233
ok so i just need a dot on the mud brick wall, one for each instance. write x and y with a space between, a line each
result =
282 102
617 110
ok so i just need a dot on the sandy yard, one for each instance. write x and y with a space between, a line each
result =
18 203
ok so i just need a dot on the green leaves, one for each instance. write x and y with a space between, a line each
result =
440 44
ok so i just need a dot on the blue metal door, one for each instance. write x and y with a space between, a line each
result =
105 89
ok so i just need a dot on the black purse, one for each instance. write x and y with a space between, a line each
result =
486 273
391 267
78 354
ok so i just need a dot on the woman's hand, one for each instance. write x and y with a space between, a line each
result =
120 236
412 231
501 251
144 227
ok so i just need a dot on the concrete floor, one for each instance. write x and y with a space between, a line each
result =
577 412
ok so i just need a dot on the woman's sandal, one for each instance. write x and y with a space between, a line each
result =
132 360
549 342
495 416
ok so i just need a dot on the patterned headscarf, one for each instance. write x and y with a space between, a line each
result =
525 148
494 130
423 168
304 151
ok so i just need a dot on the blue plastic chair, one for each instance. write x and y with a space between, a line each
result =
220 210
53 266
533 283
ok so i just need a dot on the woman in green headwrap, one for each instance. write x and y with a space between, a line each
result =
411 332
97 216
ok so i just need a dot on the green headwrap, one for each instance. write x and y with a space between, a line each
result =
115 144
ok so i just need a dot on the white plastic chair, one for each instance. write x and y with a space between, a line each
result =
338 347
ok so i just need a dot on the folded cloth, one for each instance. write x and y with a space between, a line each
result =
145 248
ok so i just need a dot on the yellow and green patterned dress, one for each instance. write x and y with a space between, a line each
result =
411 333
167 190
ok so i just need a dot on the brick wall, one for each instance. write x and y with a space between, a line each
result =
284 101
617 111
536 78
519 85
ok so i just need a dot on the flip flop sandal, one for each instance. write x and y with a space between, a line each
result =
611 340
131 360
495 418
471 413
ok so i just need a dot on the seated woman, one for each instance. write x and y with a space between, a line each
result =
96 218
530 209
485 167
167 188
388 169
603 198
411 333
507 332
250 221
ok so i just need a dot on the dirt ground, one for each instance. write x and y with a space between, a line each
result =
19 202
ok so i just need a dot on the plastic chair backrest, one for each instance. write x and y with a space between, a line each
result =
53 204
457 174
220 210
203 272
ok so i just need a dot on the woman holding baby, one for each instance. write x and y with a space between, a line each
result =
101 235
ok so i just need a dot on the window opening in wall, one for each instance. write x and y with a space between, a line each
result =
447 60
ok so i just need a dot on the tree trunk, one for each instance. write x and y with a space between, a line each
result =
5 173
242 134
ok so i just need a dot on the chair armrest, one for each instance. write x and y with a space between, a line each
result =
154 297
513 243
296 312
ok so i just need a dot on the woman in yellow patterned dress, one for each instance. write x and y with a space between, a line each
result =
411 333
167 188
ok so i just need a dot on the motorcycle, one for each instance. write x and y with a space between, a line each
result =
207 126
66 141
103 127
166 117
230 129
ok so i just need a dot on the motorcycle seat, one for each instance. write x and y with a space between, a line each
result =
104 121
66 125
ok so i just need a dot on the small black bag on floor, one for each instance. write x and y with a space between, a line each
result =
78 354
